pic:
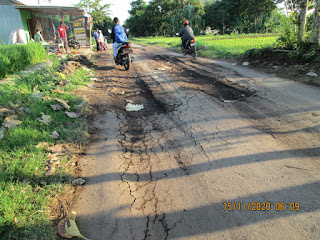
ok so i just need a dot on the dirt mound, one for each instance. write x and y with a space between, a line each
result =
82 59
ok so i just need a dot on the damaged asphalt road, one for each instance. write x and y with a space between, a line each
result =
218 152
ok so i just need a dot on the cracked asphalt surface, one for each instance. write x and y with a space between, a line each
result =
210 134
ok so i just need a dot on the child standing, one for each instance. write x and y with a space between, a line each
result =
101 41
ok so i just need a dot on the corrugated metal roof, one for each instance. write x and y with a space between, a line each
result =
53 10
10 2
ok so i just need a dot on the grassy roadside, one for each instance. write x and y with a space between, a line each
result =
27 183
216 46
15 57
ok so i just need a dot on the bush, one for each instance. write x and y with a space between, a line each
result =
16 57
306 53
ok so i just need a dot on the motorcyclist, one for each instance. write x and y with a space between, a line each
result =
119 35
186 33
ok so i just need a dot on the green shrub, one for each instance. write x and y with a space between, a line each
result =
306 53
16 57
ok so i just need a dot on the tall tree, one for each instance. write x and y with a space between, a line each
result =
316 25
243 16
164 17
97 11
303 19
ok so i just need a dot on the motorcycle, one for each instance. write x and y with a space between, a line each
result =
190 47
123 57
73 43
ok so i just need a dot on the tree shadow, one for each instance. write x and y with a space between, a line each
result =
213 218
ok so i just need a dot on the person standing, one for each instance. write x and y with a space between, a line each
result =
37 36
101 41
62 33
96 36
119 35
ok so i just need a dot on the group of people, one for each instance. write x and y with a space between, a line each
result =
61 34
99 40
118 34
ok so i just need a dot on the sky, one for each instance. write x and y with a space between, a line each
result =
119 8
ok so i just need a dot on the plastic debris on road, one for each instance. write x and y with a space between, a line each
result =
133 107
312 74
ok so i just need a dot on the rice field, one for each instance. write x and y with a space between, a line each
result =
216 46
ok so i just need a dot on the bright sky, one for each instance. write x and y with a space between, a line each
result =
119 8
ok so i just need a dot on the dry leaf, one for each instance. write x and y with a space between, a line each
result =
62 83
52 162
60 148
61 75
42 145
5 111
57 91
56 107
51 170
64 103
46 119
67 227
87 69
11 122
13 105
46 98
53 158
26 110
16 221
54 135
73 114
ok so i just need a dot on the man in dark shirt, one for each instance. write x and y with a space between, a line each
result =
186 33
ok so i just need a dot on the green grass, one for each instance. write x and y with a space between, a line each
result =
216 46
14 58
25 191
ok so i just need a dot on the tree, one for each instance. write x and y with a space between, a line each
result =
303 19
164 17
242 16
316 24
97 11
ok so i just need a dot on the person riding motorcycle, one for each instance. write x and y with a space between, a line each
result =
186 33
119 35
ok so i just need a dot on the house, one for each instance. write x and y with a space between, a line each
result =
11 20
19 22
